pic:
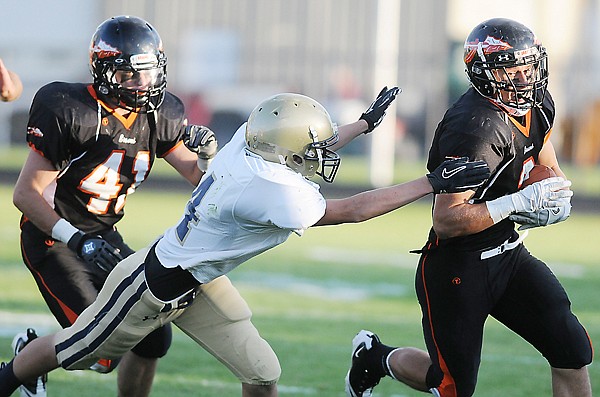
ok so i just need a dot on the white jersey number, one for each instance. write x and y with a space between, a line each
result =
104 182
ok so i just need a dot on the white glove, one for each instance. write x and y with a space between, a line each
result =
548 193
545 217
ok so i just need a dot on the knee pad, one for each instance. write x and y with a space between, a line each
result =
220 321
575 358
155 344
264 368
576 349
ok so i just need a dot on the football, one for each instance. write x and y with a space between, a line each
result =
538 173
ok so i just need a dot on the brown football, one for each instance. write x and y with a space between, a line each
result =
538 173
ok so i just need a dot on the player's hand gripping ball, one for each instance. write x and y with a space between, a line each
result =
542 217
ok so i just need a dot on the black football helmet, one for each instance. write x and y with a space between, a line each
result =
499 44
128 64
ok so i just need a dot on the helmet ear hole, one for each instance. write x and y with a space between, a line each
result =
297 159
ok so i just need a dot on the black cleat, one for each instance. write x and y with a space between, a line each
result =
362 376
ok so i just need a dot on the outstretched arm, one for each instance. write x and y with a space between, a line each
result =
369 120
348 132
373 203
451 176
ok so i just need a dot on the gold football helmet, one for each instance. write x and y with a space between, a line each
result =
294 130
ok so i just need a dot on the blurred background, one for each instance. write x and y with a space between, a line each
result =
227 55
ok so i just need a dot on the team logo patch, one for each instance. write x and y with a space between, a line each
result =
489 46
104 50
35 132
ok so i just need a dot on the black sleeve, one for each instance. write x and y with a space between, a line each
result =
47 131
478 133
171 117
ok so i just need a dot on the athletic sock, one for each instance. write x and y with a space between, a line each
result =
386 364
384 351
8 381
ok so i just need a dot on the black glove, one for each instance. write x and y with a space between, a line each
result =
375 113
202 141
458 174
95 250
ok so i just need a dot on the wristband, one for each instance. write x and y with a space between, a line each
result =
500 208
63 230
203 164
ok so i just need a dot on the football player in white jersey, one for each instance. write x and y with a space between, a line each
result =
254 195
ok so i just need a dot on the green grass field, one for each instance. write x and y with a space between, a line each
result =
354 171
310 296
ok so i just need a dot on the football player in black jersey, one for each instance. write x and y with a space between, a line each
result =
474 264
91 146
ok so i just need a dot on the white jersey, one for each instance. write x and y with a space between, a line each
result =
242 207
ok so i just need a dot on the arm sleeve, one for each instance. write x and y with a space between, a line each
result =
169 125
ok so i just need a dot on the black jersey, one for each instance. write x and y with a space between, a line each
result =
478 129
102 156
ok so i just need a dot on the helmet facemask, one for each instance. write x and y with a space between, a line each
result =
507 64
317 154
516 85
134 86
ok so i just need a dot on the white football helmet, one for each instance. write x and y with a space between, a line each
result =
294 130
